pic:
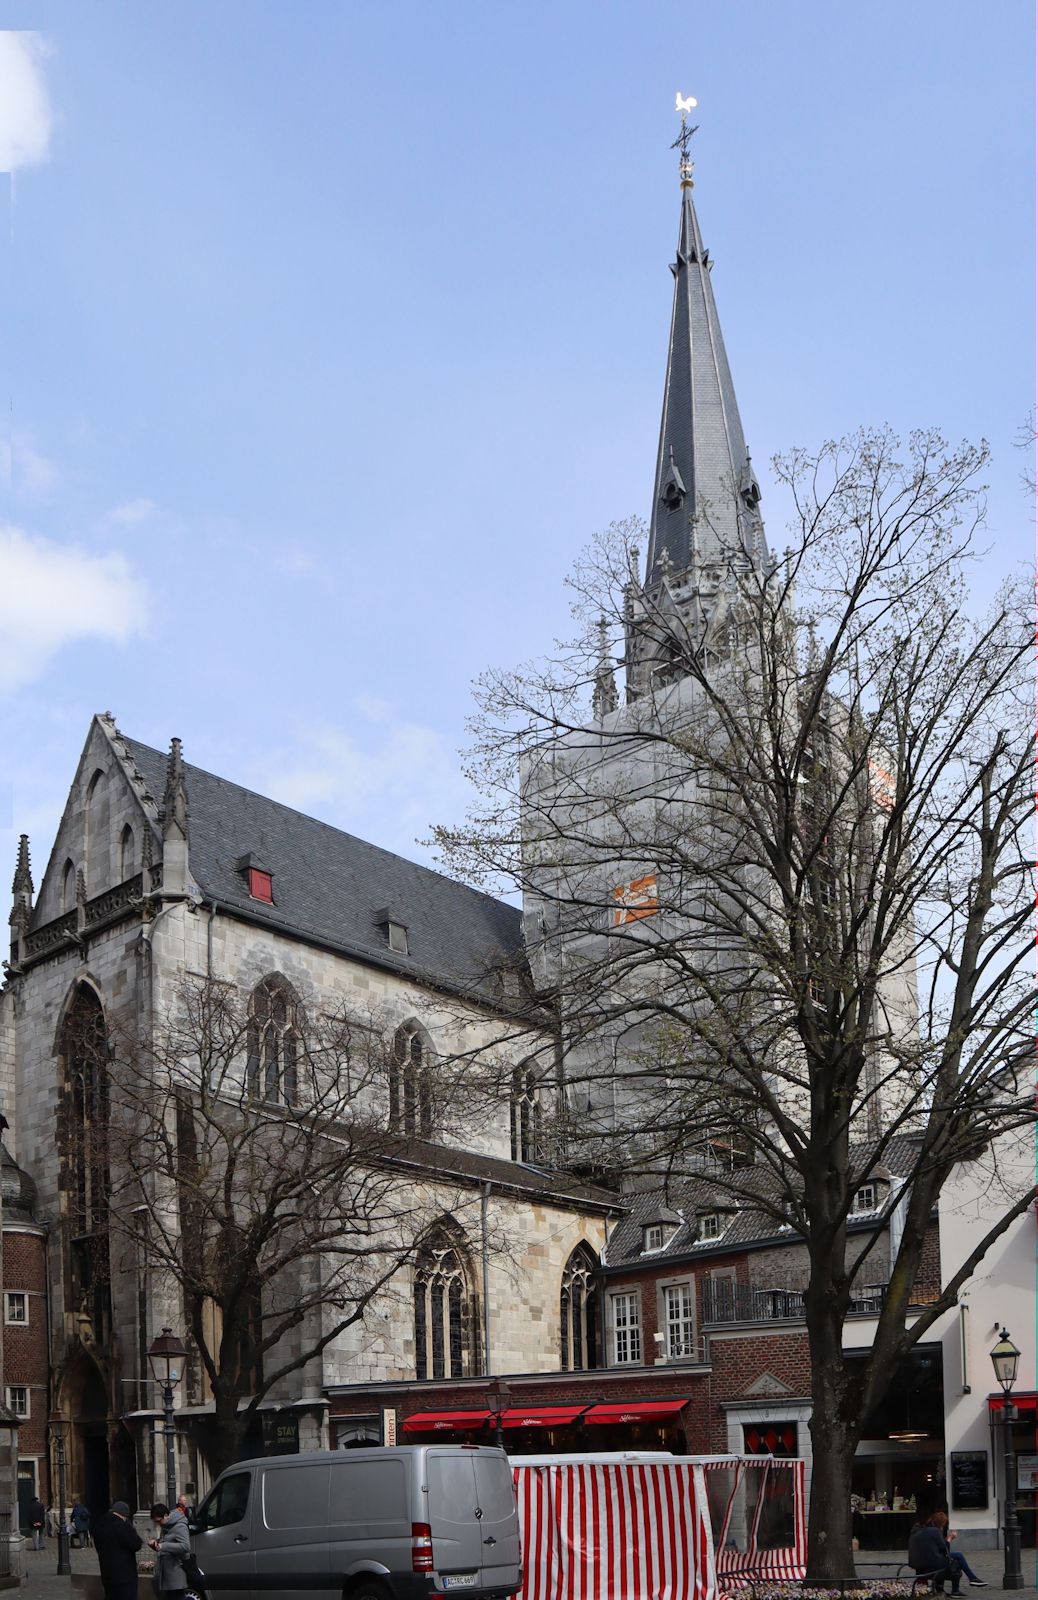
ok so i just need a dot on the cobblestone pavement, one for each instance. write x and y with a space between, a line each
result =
42 1583
987 1564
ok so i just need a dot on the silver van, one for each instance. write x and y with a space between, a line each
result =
380 1524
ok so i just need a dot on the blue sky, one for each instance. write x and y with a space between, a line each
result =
331 333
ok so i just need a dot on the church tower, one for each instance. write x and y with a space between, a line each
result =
706 535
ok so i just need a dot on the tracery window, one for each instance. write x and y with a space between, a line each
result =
443 1314
273 1060
527 1116
85 1156
578 1312
410 1082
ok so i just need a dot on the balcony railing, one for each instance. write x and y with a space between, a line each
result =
742 1302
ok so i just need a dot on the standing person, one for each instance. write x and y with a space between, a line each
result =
172 1549
117 1542
81 1524
37 1522
929 1554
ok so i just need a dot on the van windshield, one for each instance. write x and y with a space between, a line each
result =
226 1504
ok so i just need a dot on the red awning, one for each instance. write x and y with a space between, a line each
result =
440 1421
635 1411
541 1417
1026 1400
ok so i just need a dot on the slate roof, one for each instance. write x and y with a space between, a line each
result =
329 885
524 1177
686 1201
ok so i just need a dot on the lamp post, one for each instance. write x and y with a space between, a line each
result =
59 1426
166 1355
499 1396
1005 1358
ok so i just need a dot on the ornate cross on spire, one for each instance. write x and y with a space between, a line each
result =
683 142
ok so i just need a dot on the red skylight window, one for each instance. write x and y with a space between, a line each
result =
261 885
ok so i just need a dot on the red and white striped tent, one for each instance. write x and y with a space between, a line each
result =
624 1528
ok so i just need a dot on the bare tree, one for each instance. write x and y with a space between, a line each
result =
781 897
254 1164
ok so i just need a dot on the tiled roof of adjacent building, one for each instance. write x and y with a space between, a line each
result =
744 1225
329 886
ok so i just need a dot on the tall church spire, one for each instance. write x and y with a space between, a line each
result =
705 496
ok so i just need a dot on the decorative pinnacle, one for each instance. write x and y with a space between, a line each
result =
23 870
174 811
683 141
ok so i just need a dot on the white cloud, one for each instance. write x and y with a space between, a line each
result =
132 513
25 470
25 112
389 786
53 595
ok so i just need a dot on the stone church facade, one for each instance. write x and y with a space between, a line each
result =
161 873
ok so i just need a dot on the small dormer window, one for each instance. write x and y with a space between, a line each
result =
259 880
654 1238
866 1198
710 1226
393 928
673 492
261 886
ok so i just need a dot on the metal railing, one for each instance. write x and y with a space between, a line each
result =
746 1302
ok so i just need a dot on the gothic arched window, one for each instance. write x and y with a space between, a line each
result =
578 1312
443 1309
127 854
85 1155
273 1061
410 1082
68 887
526 1115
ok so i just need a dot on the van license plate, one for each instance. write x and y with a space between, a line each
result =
460 1580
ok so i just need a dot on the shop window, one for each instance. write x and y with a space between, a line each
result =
625 1317
769 1438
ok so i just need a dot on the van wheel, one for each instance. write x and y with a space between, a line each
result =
368 1591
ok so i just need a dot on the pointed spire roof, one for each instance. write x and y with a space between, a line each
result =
703 468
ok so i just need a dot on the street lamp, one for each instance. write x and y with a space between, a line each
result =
499 1396
59 1427
166 1354
1005 1358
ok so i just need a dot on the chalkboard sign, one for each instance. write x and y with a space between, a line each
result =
969 1480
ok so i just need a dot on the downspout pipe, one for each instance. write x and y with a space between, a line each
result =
484 1230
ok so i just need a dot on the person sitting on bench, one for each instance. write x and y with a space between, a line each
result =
929 1554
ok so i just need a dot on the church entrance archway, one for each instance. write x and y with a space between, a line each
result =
84 1399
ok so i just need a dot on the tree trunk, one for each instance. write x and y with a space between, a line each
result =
834 1439
225 1437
